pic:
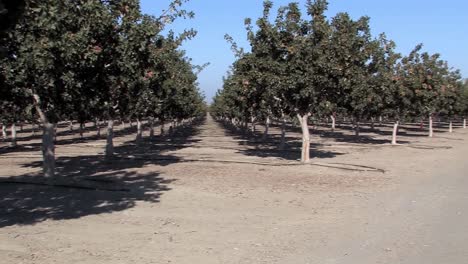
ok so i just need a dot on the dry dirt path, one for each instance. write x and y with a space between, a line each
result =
212 212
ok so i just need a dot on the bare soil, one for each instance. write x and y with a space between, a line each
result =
209 194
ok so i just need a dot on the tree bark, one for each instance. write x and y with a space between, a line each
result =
162 128
283 134
70 124
395 132
139 133
81 130
431 130
252 123
48 137
305 154
13 135
48 150
98 128
267 127
451 127
333 122
464 123
151 128
357 128
4 131
110 139
372 123
33 128
55 132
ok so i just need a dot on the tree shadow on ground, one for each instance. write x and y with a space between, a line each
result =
89 185
258 146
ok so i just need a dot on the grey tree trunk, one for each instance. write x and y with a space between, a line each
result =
372 123
48 150
110 139
395 132
33 128
283 134
305 154
139 135
357 128
162 128
464 123
4 131
48 139
451 127
98 127
55 132
267 127
151 128
333 122
431 128
81 130
13 135
252 122
70 124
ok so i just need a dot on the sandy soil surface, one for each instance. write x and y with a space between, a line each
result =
210 195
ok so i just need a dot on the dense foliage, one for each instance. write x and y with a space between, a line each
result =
317 67
95 59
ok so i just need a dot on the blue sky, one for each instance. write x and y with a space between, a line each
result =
442 26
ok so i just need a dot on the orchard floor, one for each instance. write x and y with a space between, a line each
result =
210 195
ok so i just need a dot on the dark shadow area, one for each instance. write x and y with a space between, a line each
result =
25 204
90 185
118 132
258 146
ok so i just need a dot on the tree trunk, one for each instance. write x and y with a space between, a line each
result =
48 137
55 132
333 122
267 127
33 128
4 132
451 127
110 139
252 122
151 128
70 124
81 130
162 128
139 133
305 154
98 128
283 134
431 129
21 126
123 124
464 123
395 133
357 128
380 120
372 123
13 135
48 150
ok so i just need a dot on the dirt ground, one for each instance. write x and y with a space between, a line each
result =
208 194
